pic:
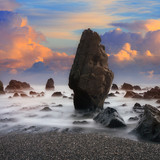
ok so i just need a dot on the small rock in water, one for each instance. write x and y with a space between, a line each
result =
110 118
80 122
57 94
114 87
124 105
59 105
137 88
16 95
50 84
138 108
111 95
127 86
106 102
117 92
133 118
24 95
46 109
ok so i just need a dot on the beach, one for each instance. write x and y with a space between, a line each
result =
74 146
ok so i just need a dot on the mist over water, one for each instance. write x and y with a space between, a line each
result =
24 114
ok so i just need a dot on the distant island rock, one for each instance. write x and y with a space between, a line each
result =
17 86
114 87
1 88
50 84
90 78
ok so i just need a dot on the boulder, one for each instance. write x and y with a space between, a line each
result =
90 77
138 108
133 118
153 93
46 109
131 94
111 95
57 94
17 85
33 93
127 86
24 95
110 118
158 101
50 84
149 125
1 88
138 88
16 95
114 87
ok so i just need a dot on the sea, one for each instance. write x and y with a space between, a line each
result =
25 115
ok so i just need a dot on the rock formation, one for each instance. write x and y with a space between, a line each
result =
127 86
110 118
137 88
1 88
90 77
114 87
153 93
17 85
149 125
50 84
131 94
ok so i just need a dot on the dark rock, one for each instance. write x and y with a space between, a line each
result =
1 88
9 97
153 93
46 109
80 122
149 125
70 97
24 95
111 95
106 102
124 105
33 93
72 94
16 95
90 77
65 97
57 94
131 94
127 86
42 94
158 101
137 88
117 92
17 85
110 118
59 105
114 87
138 108
133 118
50 84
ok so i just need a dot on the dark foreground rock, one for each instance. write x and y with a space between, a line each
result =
110 118
1 88
17 85
127 86
149 125
57 94
90 77
50 84
114 87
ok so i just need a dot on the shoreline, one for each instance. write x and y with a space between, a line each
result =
76 146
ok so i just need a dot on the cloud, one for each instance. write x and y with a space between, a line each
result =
20 45
8 5
141 25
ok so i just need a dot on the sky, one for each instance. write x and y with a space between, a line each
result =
38 39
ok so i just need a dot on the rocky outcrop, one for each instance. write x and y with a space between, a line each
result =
17 85
50 84
90 77
153 93
114 87
57 94
1 88
138 88
149 125
138 108
110 118
131 94
127 86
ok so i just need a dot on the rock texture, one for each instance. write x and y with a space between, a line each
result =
127 86
1 88
137 88
50 84
131 94
90 77
17 85
149 125
110 118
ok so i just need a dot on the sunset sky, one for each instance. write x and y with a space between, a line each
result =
40 37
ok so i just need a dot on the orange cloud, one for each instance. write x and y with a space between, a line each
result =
148 53
20 45
126 54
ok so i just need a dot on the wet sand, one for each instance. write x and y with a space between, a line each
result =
69 146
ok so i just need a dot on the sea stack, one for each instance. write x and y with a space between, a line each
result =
50 84
90 77
1 88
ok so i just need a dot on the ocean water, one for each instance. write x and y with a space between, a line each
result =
24 114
